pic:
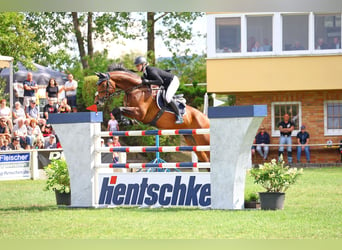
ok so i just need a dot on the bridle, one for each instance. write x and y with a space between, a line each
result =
108 85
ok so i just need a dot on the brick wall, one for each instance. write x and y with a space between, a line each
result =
312 103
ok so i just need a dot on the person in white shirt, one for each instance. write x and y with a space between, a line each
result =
113 124
5 112
70 89
18 112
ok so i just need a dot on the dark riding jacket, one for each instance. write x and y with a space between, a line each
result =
157 76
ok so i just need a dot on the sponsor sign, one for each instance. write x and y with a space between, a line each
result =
45 157
160 188
15 166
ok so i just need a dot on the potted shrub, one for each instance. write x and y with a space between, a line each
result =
58 180
276 178
252 200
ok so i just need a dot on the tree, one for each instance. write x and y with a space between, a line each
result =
16 39
176 29
60 31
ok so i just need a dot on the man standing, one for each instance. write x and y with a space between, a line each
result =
70 89
286 127
303 141
30 89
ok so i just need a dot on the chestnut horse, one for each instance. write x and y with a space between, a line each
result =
140 104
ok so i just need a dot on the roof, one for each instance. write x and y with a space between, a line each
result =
41 75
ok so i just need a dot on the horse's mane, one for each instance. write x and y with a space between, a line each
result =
119 67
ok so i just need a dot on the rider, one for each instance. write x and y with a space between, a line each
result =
161 77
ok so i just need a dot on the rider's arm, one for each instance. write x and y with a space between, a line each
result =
149 82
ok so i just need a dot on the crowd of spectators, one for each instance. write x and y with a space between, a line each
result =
27 127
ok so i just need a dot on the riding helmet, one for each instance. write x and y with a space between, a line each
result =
140 60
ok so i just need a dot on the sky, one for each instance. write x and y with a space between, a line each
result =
140 47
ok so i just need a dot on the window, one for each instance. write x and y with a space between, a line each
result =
259 33
327 31
228 36
333 117
295 32
279 109
273 34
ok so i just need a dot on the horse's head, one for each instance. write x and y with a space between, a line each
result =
105 87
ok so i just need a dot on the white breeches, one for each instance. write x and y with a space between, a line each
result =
172 89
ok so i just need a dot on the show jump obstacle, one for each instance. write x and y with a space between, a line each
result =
93 184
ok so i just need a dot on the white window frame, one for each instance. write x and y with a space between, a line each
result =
330 132
275 129
277 34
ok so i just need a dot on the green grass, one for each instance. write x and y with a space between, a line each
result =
312 211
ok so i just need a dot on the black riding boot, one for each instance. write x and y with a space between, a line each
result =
174 106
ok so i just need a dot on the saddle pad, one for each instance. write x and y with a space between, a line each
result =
161 103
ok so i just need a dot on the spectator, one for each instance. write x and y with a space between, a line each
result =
52 91
70 88
257 47
321 44
6 113
336 43
47 130
286 127
30 89
20 130
113 124
5 145
51 143
262 139
303 138
15 145
18 112
4 131
33 130
38 143
266 46
116 143
32 111
49 108
64 107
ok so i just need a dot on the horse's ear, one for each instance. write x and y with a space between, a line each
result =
103 75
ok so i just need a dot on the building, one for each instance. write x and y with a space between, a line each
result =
289 61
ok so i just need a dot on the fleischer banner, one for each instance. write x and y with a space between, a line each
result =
15 166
